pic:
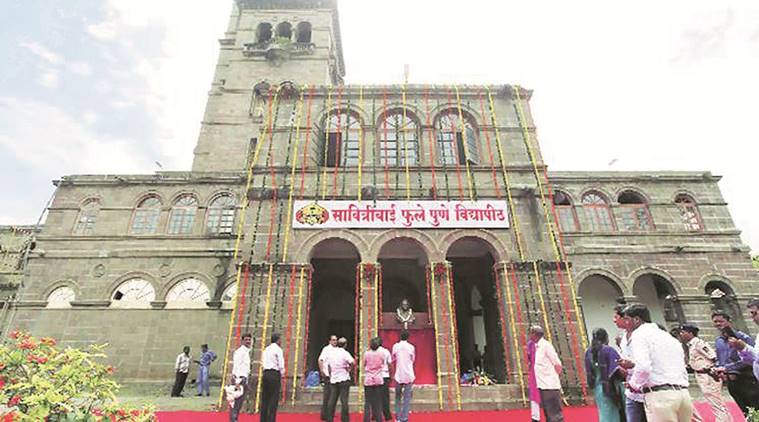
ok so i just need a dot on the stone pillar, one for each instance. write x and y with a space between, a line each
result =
272 298
443 316
540 293
368 314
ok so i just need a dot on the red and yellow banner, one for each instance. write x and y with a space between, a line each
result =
400 214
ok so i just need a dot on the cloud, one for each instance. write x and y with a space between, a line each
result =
49 79
79 68
166 81
52 61
62 145
42 52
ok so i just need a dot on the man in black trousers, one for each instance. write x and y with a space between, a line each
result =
273 362
182 368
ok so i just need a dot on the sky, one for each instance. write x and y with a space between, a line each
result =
119 86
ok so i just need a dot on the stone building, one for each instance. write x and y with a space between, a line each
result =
149 263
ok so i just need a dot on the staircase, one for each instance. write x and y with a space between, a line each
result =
491 397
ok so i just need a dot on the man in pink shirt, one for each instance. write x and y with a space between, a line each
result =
374 360
404 355
340 363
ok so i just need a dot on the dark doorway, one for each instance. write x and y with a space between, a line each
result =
477 317
333 296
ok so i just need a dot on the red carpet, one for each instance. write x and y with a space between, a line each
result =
571 414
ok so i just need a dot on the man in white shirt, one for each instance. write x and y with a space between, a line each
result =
339 363
386 381
658 369
404 356
544 369
182 368
241 371
324 373
273 363
635 410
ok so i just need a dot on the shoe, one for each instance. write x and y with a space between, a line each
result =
198 395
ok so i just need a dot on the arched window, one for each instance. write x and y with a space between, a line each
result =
182 215
689 214
597 212
303 32
565 212
135 292
189 290
221 215
399 139
285 30
634 211
341 140
229 293
61 297
88 213
263 33
457 140
145 220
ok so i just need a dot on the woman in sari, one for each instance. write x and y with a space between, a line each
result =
600 365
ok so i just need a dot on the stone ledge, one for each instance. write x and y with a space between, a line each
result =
90 303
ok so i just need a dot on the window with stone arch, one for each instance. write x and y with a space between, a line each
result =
565 212
88 213
189 290
284 30
146 216
633 211
61 297
264 33
303 32
456 139
398 135
221 214
230 293
135 292
597 212
342 137
182 216
689 214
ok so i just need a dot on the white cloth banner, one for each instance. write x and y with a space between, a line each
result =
400 214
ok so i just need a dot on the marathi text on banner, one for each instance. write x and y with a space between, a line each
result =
400 214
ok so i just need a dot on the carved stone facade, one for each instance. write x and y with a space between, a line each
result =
154 261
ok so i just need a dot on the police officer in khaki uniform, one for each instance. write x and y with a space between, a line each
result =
701 359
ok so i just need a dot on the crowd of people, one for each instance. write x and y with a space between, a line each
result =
645 378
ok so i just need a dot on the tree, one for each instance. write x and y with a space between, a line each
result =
755 261
40 381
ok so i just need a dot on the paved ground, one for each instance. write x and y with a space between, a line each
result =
159 395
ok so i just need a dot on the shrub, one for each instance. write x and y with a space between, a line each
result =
40 381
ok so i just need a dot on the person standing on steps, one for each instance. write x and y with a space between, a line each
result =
403 358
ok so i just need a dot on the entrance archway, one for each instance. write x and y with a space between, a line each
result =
404 263
333 295
477 318
660 296
599 296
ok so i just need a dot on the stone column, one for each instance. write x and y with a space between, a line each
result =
368 314
541 294
443 316
272 298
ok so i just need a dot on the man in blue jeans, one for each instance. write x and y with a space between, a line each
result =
206 357
404 355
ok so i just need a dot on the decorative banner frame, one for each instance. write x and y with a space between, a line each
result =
400 214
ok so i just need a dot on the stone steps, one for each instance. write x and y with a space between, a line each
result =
492 397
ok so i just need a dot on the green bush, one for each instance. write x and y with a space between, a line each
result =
39 381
